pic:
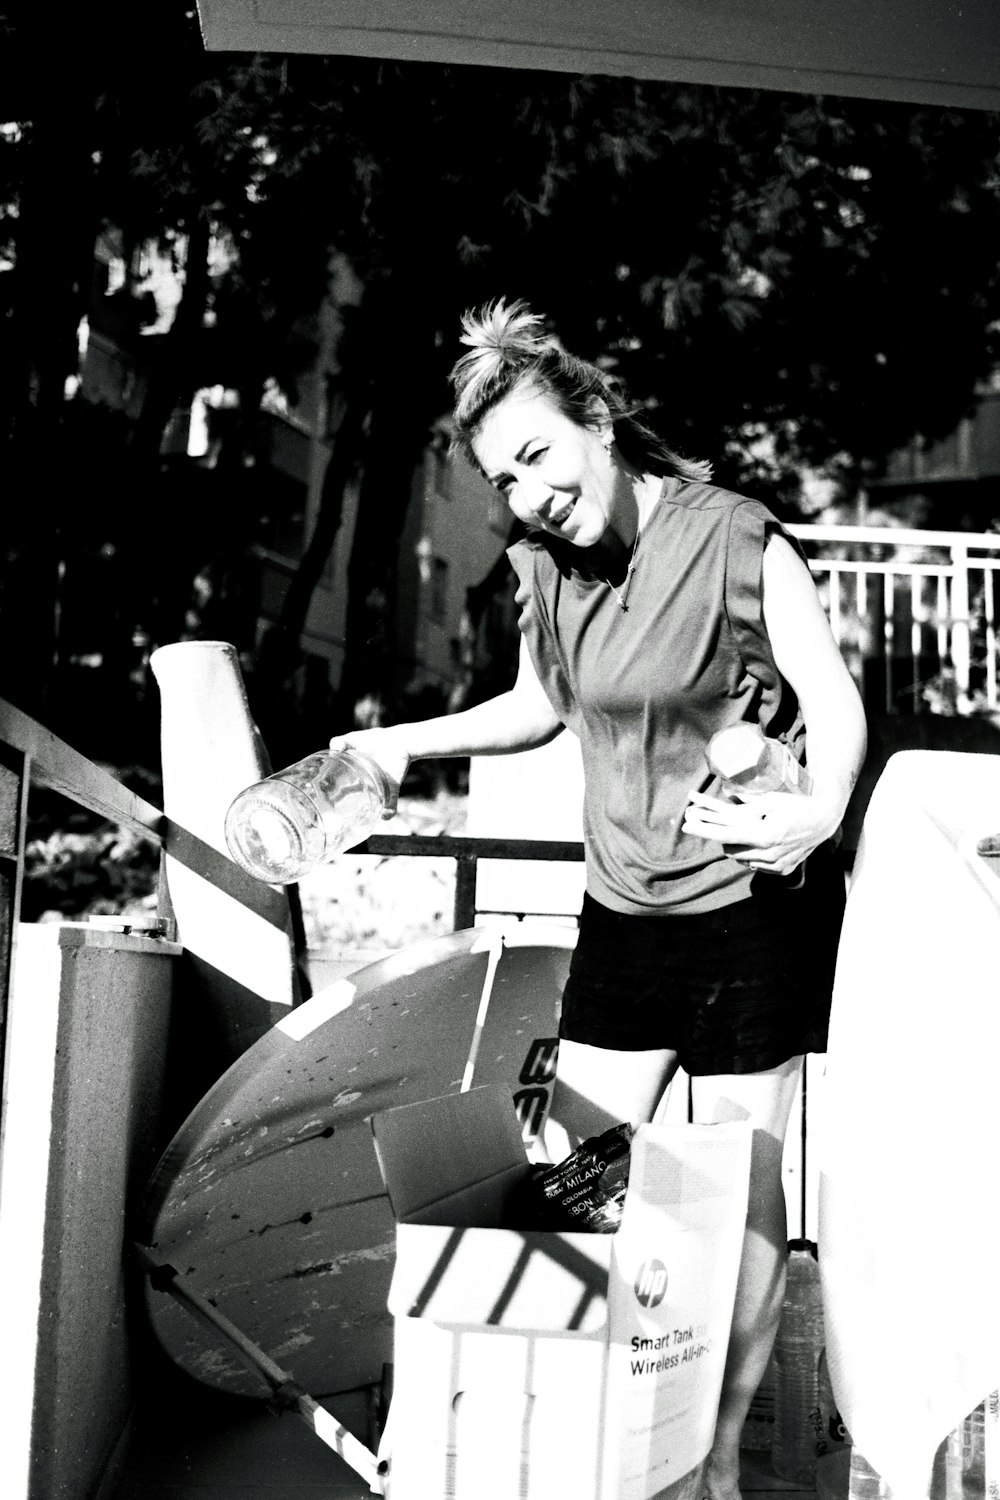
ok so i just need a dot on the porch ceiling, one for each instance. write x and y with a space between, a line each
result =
943 52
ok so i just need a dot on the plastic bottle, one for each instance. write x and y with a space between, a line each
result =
747 762
991 1446
282 828
974 1449
864 1483
959 1471
797 1350
960 1463
830 1430
833 1451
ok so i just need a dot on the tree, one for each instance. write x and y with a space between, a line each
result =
788 279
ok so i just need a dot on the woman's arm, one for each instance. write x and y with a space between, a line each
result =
516 720
777 831
808 657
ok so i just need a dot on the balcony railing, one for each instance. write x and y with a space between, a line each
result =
919 606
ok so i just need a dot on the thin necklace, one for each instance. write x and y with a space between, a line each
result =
622 594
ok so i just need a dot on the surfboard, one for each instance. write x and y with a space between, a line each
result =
269 1200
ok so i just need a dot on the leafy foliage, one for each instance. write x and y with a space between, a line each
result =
783 279
78 864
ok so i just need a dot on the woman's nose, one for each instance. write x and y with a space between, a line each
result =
534 493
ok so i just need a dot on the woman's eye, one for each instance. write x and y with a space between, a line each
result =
533 457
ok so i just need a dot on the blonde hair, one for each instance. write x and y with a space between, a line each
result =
509 348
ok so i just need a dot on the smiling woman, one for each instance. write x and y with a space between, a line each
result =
557 476
657 609
559 441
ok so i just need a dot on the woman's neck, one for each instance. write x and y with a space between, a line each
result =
635 500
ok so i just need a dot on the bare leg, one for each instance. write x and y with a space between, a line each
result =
597 1087
766 1100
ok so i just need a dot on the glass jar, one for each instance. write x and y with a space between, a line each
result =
282 828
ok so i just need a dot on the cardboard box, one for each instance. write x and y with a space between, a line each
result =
532 1365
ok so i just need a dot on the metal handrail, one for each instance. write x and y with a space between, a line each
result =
51 762
467 851
55 764
894 536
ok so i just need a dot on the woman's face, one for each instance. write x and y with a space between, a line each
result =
556 476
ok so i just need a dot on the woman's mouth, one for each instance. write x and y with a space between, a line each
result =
559 517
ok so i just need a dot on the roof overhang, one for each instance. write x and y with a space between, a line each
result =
921 51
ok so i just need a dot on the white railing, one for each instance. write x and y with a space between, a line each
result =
920 603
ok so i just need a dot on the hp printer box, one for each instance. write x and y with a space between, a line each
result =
531 1364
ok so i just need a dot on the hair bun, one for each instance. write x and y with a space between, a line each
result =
504 343
510 331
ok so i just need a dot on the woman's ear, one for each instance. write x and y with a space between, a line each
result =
600 415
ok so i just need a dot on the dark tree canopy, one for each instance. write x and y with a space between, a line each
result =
784 279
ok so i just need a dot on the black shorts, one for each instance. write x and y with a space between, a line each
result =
735 990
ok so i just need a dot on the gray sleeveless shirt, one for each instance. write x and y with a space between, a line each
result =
645 689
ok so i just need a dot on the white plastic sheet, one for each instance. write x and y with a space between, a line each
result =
909 1186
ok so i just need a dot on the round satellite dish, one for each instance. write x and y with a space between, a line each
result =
269 1200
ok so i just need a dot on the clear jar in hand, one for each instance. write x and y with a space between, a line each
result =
282 828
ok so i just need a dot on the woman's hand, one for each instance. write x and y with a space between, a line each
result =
773 832
778 830
519 719
388 749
